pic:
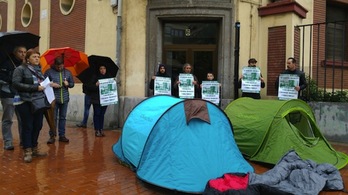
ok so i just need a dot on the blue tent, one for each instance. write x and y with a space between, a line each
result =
179 144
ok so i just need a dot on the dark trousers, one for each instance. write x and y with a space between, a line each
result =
87 106
31 125
98 116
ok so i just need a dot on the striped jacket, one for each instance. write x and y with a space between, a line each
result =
61 94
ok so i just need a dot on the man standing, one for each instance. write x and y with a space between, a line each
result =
7 94
291 69
62 80
256 95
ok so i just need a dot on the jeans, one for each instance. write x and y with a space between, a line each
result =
86 109
60 116
98 116
8 111
31 124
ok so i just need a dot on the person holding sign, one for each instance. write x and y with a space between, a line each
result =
187 84
251 80
291 81
162 80
211 89
98 109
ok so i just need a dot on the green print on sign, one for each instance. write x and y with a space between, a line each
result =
287 84
251 82
163 86
108 91
211 91
186 88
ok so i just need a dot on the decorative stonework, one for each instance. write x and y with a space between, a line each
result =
283 6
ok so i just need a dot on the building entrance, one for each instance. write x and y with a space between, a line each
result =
194 43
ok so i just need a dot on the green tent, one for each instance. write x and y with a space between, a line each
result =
265 130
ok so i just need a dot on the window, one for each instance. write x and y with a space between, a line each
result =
27 14
66 6
336 33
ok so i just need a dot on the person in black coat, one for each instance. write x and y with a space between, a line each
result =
7 94
187 69
292 69
98 110
252 63
160 73
26 80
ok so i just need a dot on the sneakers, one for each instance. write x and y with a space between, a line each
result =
8 146
37 153
99 133
28 155
63 139
81 125
51 140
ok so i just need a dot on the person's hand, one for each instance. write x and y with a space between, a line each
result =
241 77
66 83
177 83
153 77
194 82
261 78
55 85
97 83
40 88
297 88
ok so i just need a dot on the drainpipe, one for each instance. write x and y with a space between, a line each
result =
119 33
236 59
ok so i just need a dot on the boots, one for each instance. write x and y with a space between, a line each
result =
51 140
36 153
27 155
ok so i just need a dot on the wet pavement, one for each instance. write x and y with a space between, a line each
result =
85 165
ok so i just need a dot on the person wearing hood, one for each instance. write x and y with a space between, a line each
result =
98 109
162 72
62 80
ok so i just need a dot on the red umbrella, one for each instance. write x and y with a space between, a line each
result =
75 61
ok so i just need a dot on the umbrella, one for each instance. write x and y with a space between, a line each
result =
94 62
75 61
9 40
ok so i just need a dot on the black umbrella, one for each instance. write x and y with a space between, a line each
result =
9 40
95 62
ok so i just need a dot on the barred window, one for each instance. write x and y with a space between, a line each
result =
337 33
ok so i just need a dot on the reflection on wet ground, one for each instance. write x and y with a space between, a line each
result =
86 165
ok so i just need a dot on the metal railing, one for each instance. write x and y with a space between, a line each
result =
324 58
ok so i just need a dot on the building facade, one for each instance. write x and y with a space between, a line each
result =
212 35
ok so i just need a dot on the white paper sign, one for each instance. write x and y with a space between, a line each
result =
108 91
48 90
162 86
286 88
251 82
211 91
186 87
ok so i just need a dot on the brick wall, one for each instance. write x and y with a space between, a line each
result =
276 56
68 30
34 25
3 11
297 45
